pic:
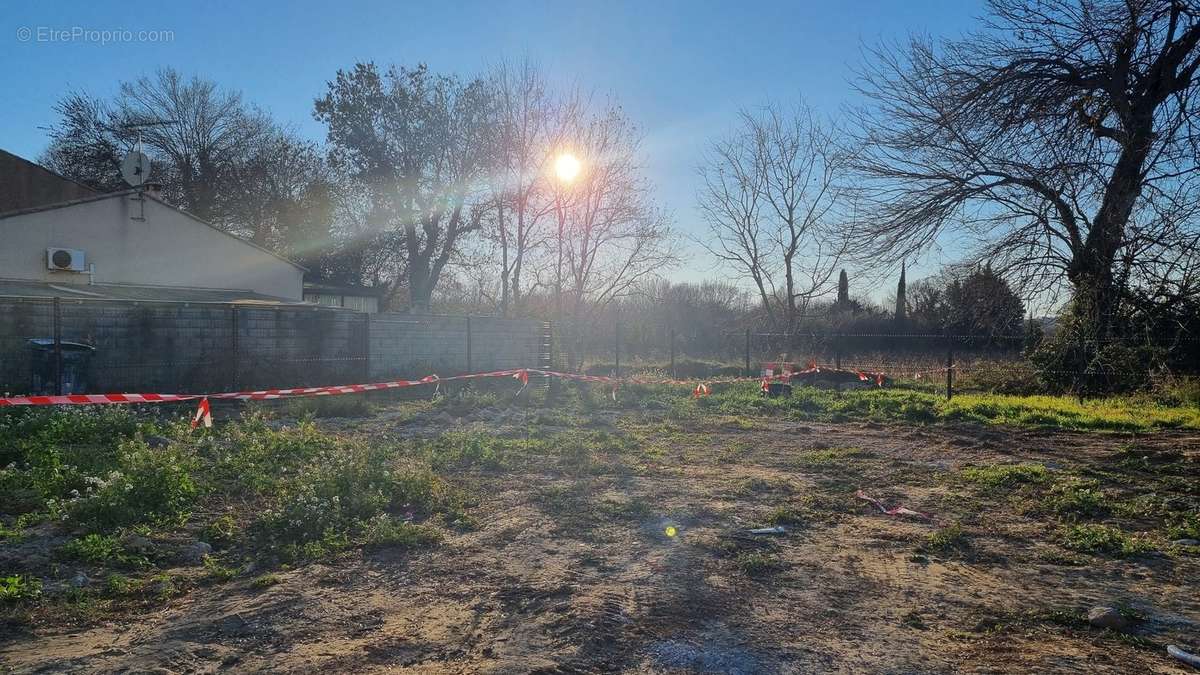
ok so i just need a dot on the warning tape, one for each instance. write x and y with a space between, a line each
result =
263 394
521 374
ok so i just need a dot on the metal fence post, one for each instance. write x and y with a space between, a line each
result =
468 344
617 346
949 372
672 353
58 378
747 373
549 357
1081 367
366 347
233 347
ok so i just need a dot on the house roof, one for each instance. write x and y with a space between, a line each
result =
20 288
341 289
28 184
125 193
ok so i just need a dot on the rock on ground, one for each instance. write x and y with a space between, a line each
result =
1106 617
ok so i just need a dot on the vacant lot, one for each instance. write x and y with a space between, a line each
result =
478 533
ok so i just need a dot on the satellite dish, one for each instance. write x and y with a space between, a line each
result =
135 168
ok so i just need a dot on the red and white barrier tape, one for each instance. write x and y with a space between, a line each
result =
900 510
263 394
521 374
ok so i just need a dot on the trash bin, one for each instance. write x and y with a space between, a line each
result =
75 359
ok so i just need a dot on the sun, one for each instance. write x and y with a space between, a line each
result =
566 167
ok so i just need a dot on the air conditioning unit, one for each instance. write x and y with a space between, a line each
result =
65 260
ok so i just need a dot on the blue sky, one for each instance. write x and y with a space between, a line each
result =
680 69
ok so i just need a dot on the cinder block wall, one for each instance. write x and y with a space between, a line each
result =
188 347
404 346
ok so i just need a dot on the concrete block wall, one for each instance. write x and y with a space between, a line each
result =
19 321
499 344
307 347
404 346
190 347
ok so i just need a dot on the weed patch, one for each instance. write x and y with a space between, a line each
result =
385 532
216 571
1104 539
829 456
327 406
1077 498
759 564
265 581
19 587
1005 475
148 486
786 515
330 501
96 549
948 539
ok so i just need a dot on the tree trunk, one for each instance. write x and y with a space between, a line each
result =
503 260
1091 271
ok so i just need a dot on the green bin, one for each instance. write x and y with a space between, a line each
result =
75 359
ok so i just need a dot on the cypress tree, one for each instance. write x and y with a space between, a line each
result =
901 300
843 297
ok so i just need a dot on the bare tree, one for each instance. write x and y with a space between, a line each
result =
533 122
613 237
283 195
200 136
1060 138
770 193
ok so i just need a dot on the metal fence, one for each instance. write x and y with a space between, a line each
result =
948 362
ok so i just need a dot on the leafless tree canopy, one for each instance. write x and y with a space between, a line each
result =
771 193
612 236
1060 140
533 123
215 155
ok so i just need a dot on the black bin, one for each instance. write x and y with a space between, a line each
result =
75 359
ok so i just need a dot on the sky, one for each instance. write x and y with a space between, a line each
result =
681 70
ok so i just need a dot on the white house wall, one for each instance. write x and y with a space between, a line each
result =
168 248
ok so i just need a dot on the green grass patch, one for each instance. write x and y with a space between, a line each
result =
948 539
829 456
633 509
1077 498
265 581
1184 526
1129 413
1106 539
327 406
1112 414
1005 475
385 532
787 515
216 571
116 584
759 564
95 549
326 505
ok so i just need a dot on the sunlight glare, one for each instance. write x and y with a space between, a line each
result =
566 167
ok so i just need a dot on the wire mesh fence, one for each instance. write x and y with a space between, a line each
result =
946 362
55 345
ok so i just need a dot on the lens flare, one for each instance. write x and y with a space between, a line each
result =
566 167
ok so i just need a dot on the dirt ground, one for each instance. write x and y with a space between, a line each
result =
577 572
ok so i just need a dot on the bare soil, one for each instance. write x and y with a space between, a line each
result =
575 571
